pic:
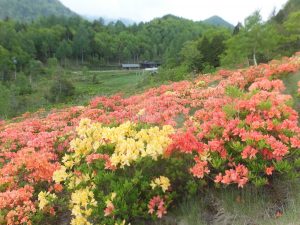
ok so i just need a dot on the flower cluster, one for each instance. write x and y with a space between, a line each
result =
238 175
109 205
45 198
130 144
162 182
82 201
200 168
157 204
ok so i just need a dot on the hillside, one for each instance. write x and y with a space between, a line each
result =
27 10
218 21
88 163
290 7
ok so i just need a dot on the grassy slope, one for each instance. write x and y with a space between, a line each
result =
238 206
291 89
107 83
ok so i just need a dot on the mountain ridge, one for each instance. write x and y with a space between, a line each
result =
213 20
28 10
218 21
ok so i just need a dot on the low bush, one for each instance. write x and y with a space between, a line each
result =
60 90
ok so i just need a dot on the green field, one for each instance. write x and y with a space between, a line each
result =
107 82
88 84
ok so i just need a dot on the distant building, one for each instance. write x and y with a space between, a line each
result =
131 66
143 65
148 64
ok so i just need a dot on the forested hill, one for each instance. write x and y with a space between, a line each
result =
27 10
290 7
218 21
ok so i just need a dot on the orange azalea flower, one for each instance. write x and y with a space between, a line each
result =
157 204
109 209
269 170
58 188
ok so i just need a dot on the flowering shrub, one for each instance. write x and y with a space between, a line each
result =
242 135
135 156
114 156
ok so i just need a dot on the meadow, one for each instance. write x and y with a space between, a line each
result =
86 84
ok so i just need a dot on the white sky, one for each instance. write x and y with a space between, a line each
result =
144 10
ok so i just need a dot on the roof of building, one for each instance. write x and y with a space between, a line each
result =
131 65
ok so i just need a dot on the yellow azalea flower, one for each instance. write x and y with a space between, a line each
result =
83 198
96 145
76 211
162 182
68 161
113 196
205 156
44 197
201 83
60 175
81 202
130 144
141 112
123 223
75 181
80 220
170 93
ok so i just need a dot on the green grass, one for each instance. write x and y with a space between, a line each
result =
249 206
88 84
107 83
290 82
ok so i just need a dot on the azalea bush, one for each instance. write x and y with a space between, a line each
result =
243 137
125 160
117 174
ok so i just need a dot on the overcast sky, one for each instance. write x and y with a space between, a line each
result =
144 10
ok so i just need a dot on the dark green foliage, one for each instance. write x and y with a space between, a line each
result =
64 51
60 90
191 56
22 85
203 54
4 101
174 74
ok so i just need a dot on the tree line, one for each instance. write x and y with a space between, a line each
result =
82 42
